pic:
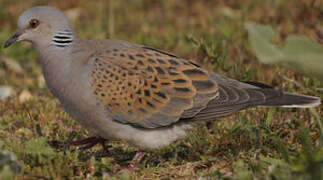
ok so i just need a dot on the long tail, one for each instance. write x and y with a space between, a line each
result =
235 96
291 100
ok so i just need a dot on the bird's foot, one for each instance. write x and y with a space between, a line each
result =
137 158
85 144
132 165
88 143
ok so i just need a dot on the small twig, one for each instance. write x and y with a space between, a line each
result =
292 81
296 83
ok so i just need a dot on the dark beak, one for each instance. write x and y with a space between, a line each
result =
13 39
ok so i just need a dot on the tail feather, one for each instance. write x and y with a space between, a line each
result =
292 100
280 99
235 96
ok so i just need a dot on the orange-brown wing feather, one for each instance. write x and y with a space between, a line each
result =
150 88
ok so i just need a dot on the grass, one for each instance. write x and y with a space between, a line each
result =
259 143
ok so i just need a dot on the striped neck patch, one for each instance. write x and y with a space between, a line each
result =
63 38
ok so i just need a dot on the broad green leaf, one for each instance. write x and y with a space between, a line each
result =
39 146
39 149
299 52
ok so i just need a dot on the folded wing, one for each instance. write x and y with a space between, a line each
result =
149 88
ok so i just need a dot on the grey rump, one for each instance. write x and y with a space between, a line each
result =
123 91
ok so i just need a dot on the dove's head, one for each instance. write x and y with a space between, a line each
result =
43 26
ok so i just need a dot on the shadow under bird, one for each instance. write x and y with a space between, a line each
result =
123 91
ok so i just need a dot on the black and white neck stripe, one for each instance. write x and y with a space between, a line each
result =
63 38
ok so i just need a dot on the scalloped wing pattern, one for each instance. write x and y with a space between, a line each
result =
149 88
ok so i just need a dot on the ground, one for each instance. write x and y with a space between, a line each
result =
258 143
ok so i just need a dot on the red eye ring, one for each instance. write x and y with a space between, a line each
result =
33 23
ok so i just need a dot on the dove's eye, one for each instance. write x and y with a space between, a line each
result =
33 23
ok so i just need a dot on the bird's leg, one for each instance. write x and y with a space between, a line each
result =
132 165
82 141
85 143
135 160
88 142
